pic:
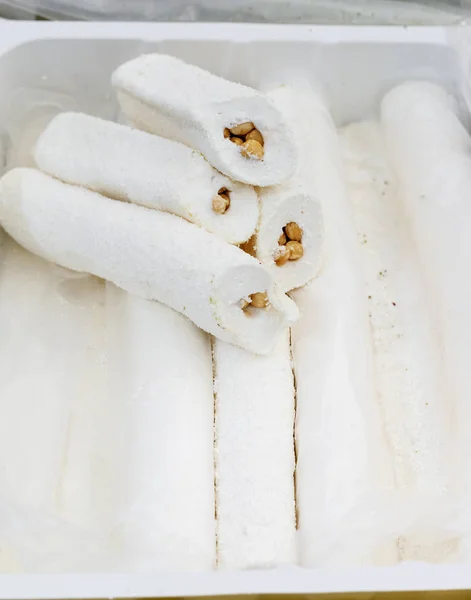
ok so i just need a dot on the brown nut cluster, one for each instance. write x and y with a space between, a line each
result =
250 246
257 300
222 201
249 138
289 244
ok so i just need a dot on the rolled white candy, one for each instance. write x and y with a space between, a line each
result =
132 165
292 203
429 149
149 253
407 363
344 478
166 96
153 439
43 347
144 416
256 524
281 207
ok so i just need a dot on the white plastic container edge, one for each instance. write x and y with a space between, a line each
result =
292 580
346 12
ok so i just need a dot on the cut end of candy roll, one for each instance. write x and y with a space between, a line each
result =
232 212
290 237
260 152
407 95
236 128
251 312
131 165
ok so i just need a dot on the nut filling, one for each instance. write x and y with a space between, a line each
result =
257 300
249 138
289 244
222 201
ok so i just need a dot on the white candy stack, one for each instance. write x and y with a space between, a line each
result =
236 128
134 166
429 148
291 228
343 471
149 253
254 457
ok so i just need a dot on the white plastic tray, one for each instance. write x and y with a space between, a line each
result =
47 65
390 12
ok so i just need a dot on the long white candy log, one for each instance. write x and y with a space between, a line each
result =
134 166
139 469
84 497
43 342
254 457
152 254
407 364
291 228
166 96
343 477
155 440
429 148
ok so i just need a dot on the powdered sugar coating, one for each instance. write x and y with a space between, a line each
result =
254 457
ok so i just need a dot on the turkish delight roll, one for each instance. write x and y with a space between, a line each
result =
152 254
156 441
429 149
236 128
255 462
131 165
407 367
291 229
344 477
45 335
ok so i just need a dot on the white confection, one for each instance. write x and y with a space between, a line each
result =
429 148
408 373
278 208
84 487
166 96
344 479
42 345
131 165
150 253
293 201
254 457
153 443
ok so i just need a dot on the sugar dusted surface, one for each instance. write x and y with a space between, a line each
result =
254 420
